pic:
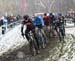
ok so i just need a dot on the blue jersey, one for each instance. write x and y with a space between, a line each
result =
38 21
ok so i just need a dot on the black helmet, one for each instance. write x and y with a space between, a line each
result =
25 17
45 14
50 14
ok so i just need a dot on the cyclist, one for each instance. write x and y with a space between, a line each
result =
52 19
4 25
53 24
26 21
63 23
39 24
47 23
60 26
30 27
46 20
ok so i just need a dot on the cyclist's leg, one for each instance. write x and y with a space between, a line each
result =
43 32
58 32
51 30
36 37
48 31
42 35
61 34
48 28
44 38
61 30
55 31
45 28
29 40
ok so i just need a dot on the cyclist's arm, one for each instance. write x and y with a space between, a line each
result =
22 27
23 30
42 21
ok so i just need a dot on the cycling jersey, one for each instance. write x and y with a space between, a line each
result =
52 20
60 22
29 26
46 20
38 21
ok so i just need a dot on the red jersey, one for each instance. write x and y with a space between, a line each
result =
28 23
46 20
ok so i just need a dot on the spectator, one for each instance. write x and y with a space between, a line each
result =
1 22
4 24
74 21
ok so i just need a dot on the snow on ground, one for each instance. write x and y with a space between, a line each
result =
69 52
11 40
70 31
69 24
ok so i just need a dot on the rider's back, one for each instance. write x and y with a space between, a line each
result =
29 26
38 21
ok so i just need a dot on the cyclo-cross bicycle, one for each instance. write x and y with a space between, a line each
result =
32 43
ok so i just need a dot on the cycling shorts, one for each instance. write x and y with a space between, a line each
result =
39 26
